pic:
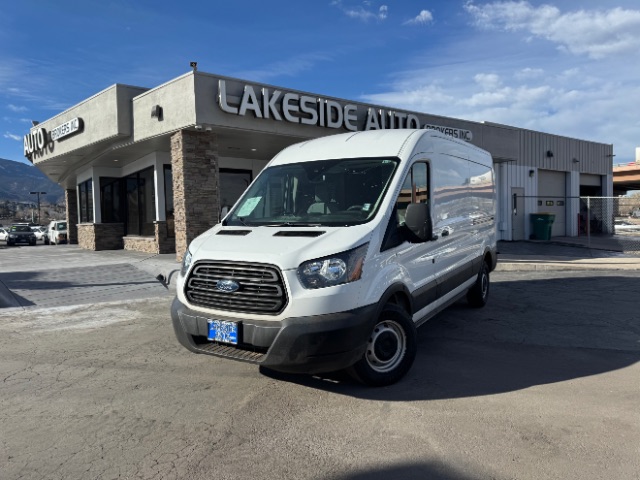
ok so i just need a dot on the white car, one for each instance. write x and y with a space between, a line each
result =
40 232
3 234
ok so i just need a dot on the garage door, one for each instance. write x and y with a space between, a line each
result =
552 198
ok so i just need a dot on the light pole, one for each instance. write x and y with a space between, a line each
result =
38 194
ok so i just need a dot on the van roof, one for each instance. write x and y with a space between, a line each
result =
371 143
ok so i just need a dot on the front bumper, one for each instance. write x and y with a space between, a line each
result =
312 344
21 239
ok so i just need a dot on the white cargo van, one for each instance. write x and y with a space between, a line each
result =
338 251
56 233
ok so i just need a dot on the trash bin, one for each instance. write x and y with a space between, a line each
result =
541 224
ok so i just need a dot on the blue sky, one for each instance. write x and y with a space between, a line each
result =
565 67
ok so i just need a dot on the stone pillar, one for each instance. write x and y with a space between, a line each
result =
196 177
71 201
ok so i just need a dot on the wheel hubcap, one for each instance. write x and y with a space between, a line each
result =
485 285
386 347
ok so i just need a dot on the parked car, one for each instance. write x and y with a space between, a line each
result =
21 234
3 234
56 233
40 232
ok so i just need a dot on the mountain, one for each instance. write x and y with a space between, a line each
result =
18 179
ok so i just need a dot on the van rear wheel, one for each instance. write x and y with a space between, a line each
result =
479 293
391 349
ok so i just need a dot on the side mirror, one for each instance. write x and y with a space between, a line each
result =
418 221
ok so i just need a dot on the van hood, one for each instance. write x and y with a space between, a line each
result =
286 247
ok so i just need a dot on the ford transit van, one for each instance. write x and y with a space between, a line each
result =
339 249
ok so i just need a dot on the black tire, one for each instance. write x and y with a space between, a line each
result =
33 243
391 349
46 241
10 244
478 295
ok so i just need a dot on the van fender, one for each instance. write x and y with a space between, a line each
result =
396 294
385 277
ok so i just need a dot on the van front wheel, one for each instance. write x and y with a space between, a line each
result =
391 349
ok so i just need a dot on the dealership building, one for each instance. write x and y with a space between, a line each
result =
150 169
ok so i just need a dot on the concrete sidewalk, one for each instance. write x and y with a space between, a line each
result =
566 253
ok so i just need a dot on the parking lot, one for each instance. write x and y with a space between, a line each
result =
543 383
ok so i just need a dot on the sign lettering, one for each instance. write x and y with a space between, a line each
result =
292 107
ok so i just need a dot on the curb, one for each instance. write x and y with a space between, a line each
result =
560 266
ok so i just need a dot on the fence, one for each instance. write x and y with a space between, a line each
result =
617 218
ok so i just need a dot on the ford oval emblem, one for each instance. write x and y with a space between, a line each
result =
227 286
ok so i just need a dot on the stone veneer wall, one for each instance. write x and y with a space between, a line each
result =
165 242
100 236
196 177
71 201
140 244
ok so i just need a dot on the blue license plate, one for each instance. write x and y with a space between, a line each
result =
221 331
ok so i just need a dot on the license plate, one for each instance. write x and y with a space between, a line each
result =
221 331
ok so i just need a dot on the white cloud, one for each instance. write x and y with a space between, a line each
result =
16 108
488 81
12 136
595 33
529 73
363 13
423 18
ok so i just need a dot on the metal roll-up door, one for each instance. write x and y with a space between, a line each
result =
552 199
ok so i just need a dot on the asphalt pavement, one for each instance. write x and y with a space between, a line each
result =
64 275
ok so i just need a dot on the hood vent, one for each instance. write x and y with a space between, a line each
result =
240 233
293 233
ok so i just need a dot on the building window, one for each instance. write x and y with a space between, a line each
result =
85 198
130 200
233 183
111 200
140 203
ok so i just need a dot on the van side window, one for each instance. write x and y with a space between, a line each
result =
415 189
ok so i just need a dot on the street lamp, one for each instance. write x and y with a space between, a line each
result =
38 194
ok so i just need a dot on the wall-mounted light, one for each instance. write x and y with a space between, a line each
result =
156 111
34 123
198 127
208 129
194 65
549 154
532 173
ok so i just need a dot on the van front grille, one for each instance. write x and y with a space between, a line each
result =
237 287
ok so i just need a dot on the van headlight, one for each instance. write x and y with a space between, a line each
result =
186 262
341 268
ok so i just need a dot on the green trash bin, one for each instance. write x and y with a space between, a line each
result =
541 224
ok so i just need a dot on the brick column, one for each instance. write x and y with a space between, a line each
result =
71 201
196 177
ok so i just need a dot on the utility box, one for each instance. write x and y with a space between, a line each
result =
541 224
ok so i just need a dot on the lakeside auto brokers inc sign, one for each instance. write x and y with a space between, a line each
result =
37 140
321 112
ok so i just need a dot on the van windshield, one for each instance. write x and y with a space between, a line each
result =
328 193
